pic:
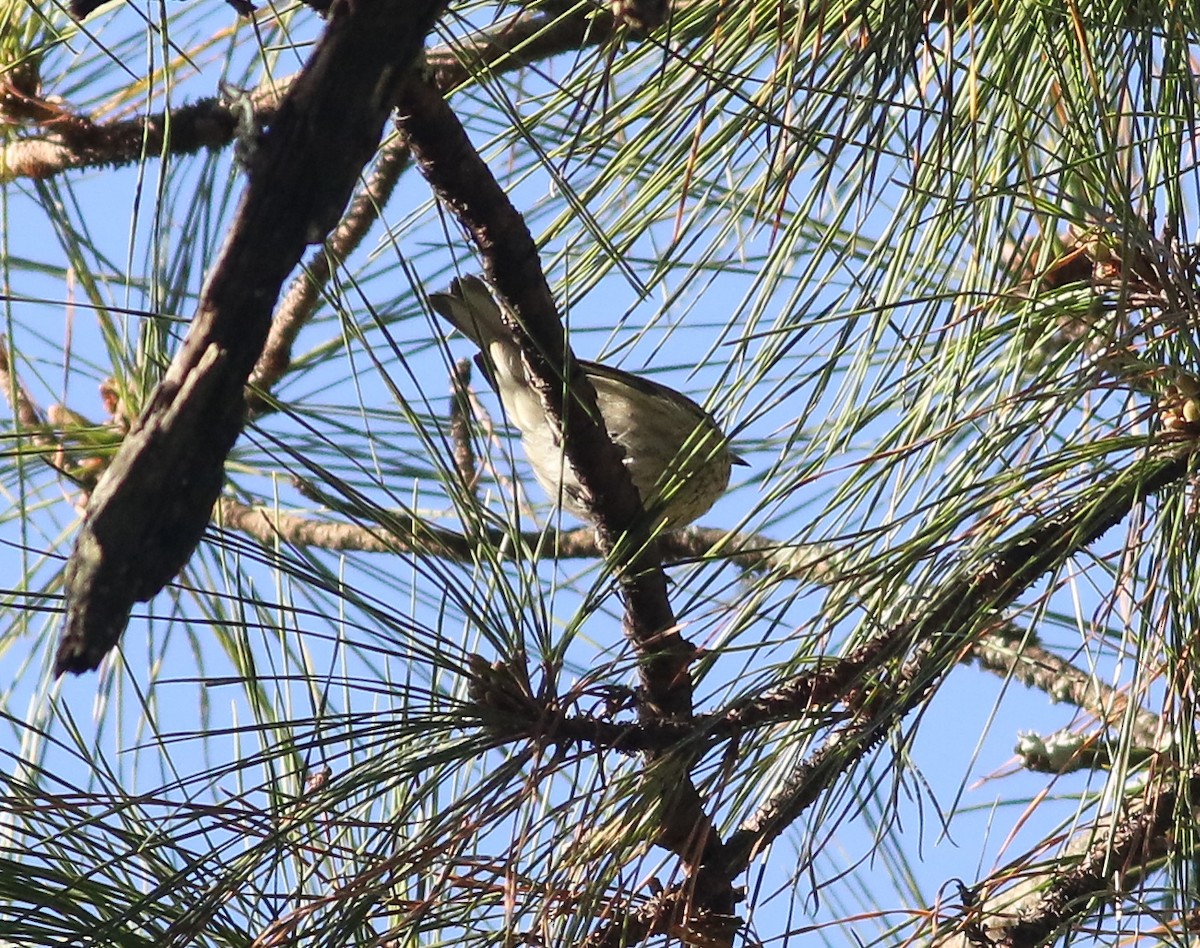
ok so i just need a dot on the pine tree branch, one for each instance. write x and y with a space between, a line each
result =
948 627
1100 862
400 532
152 505
75 141
305 293
1006 652
464 183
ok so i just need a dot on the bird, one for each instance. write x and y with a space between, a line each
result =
677 455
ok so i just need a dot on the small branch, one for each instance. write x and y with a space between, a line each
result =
843 749
525 38
1006 653
29 418
817 563
1100 861
400 535
948 627
401 532
78 142
671 912
460 427
464 183
74 141
304 294
55 432
825 685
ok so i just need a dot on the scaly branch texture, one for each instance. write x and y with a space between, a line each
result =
152 505
1031 908
465 184
947 628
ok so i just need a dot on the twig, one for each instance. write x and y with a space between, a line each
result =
304 295
465 184
752 552
1005 652
26 412
460 427
1099 862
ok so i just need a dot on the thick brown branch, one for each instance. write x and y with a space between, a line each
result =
152 505
464 183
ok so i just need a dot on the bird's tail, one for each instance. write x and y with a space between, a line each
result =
469 306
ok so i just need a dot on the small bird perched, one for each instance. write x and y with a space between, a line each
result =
678 457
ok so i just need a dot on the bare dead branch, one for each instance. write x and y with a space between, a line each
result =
151 507
751 552
272 526
304 294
